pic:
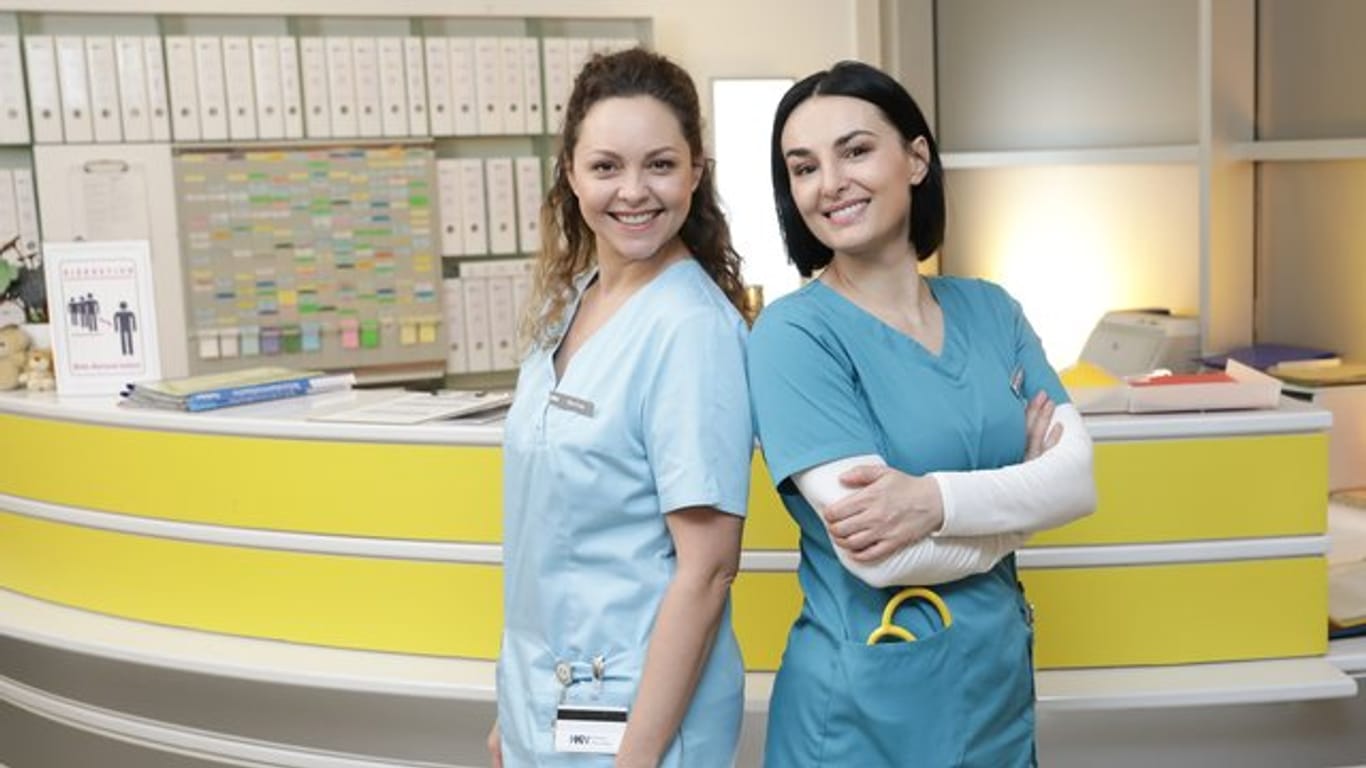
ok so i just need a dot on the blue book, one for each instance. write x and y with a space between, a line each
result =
203 393
1263 356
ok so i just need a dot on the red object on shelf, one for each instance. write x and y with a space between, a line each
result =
1217 377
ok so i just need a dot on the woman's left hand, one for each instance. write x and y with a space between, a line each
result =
888 511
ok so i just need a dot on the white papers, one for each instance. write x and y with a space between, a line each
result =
417 407
13 94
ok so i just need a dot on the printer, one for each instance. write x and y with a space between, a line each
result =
1137 341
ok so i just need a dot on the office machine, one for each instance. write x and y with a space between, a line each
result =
1136 341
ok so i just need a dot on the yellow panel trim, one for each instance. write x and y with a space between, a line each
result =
764 605
768 525
449 493
1179 614
1196 489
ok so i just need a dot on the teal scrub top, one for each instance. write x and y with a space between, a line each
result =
829 380
651 416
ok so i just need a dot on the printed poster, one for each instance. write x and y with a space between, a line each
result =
102 315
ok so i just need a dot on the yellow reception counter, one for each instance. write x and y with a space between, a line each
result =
199 555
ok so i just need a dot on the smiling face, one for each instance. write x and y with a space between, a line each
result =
851 174
634 177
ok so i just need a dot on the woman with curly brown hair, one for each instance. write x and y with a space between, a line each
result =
627 449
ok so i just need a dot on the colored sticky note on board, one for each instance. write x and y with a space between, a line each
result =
270 341
350 337
369 334
426 332
407 333
312 337
293 341
251 341
227 342
208 345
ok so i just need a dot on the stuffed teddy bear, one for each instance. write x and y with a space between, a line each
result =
14 345
37 375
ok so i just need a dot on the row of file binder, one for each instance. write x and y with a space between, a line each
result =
484 307
208 88
490 206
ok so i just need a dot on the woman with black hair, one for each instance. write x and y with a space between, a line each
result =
917 435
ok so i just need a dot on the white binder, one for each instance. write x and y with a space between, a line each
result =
578 50
393 95
26 207
132 76
464 100
478 337
158 104
13 94
265 70
40 52
502 205
488 86
513 85
448 201
473 214
454 300
9 207
341 86
439 86
103 75
558 81
291 94
528 172
523 270
502 320
313 72
213 97
71 72
240 87
531 86
416 78
369 111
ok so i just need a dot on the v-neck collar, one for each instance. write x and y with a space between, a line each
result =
628 307
950 358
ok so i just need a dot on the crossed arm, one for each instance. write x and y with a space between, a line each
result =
892 528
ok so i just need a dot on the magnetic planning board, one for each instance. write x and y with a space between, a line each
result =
310 256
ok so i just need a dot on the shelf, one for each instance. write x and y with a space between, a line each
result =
1348 655
1192 685
1174 154
1300 150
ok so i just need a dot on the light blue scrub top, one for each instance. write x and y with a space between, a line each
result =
587 555
828 381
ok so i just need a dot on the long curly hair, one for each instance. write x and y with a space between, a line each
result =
567 243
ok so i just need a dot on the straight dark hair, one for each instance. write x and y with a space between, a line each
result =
860 81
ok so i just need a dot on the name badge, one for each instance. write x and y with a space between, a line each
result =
572 404
596 730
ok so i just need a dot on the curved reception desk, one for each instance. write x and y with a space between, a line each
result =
250 587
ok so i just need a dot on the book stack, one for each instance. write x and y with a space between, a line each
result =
220 390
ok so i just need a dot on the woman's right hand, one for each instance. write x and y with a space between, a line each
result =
495 745
1038 437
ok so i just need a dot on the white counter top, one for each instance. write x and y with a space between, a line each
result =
289 419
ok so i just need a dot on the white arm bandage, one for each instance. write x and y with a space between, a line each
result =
1045 492
934 560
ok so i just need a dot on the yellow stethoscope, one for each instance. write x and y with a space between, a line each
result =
887 629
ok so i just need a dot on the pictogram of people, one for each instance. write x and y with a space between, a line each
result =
125 322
